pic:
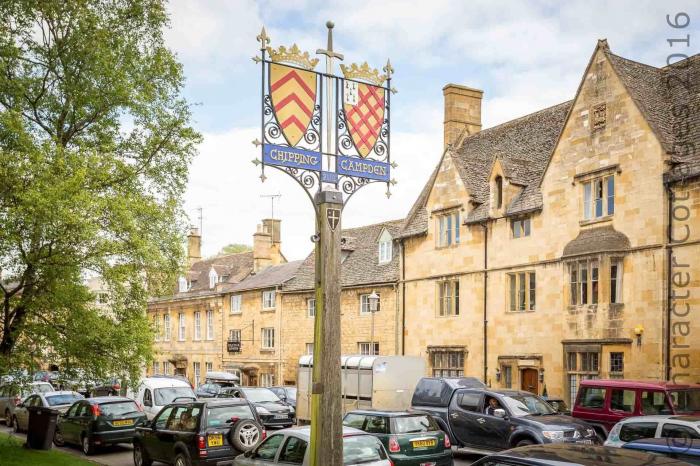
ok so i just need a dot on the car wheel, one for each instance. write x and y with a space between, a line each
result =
58 438
524 442
87 445
15 425
140 456
182 460
245 435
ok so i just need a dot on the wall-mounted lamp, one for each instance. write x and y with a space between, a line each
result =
639 331
498 374
541 374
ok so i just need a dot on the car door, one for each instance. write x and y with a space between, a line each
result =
679 431
494 431
464 414
22 413
68 423
156 445
266 453
293 451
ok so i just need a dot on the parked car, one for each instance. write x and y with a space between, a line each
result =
516 418
604 403
641 427
153 393
108 387
273 411
575 455
51 377
214 382
59 401
212 431
286 394
97 422
558 404
682 449
290 446
411 438
12 394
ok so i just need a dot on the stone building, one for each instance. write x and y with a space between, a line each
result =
190 332
537 254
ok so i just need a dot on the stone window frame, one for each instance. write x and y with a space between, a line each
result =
267 338
576 374
311 307
269 296
181 326
156 327
238 299
513 288
197 326
589 199
166 327
209 322
617 366
442 297
364 348
364 304
450 355
232 334
521 227
605 263
448 224
309 349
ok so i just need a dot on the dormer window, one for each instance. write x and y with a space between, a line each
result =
213 278
385 247
182 284
499 192
448 229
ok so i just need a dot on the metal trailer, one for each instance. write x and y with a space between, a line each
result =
378 382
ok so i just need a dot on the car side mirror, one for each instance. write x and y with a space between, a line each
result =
500 413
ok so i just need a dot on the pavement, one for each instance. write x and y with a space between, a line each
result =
121 455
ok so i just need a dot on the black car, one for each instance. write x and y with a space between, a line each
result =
286 394
107 387
575 455
204 432
484 420
98 422
273 411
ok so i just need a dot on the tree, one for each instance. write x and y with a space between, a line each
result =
95 144
234 248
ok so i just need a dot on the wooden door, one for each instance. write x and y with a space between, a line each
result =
529 381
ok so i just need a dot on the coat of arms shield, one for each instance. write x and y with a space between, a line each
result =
364 113
293 94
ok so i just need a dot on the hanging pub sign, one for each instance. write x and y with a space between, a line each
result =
323 129
233 346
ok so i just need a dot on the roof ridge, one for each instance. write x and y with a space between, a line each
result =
513 121
671 66
373 224
609 52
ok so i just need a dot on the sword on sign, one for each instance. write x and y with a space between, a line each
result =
330 55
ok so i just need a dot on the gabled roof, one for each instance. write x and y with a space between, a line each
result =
236 266
270 277
362 266
525 145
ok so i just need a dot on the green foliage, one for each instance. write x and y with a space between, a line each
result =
95 144
234 248
13 453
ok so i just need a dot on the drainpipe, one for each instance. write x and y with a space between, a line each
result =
403 299
486 278
396 318
669 288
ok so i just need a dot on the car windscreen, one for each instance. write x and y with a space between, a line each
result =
291 393
56 400
358 449
42 388
524 405
260 395
686 401
118 408
167 395
220 416
413 424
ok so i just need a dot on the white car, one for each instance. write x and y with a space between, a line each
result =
58 400
290 446
658 426
153 393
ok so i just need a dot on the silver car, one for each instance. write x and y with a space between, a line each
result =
655 426
290 446
11 396
60 401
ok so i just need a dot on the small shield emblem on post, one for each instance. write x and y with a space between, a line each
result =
333 216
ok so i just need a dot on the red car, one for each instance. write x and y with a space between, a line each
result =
602 403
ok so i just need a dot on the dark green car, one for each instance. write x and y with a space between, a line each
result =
100 421
412 439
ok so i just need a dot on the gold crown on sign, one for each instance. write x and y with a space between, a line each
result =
292 55
363 73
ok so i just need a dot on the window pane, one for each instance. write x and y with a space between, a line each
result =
655 403
526 227
622 400
511 278
587 201
516 228
594 282
574 285
611 195
533 287
613 283
456 298
521 291
583 275
678 431
457 225
592 397
638 430
448 240
598 198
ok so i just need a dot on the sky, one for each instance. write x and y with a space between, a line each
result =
524 55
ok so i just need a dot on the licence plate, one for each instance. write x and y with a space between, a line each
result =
280 416
123 422
585 442
424 443
428 464
215 440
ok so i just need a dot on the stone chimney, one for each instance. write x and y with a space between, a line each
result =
462 111
266 245
194 246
